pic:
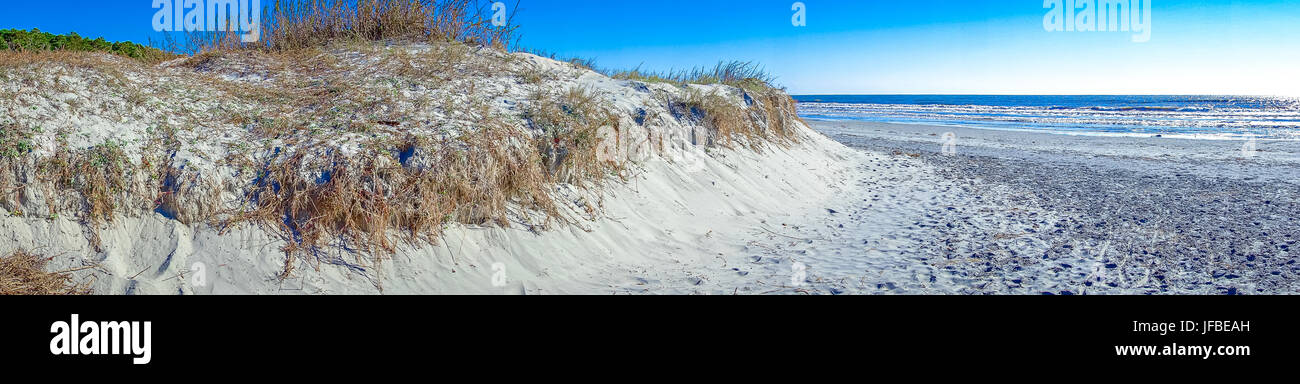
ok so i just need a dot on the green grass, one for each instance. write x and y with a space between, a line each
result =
741 74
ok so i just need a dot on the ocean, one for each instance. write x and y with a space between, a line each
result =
1205 117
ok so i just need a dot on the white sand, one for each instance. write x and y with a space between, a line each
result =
1034 213
691 221
665 231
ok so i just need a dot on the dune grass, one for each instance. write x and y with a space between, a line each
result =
763 117
100 174
23 273
570 124
747 75
299 24
414 186
767 115
740 74
476 168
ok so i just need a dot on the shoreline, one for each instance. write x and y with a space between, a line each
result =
1196 137
1272 160
1050 214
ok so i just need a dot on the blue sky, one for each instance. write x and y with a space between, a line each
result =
872 46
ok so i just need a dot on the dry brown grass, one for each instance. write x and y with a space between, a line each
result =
23 273
402 187
412 192
34 69
766 115
101 175
20 59
297 24
410 180
769 116
569 142
779 113
409 189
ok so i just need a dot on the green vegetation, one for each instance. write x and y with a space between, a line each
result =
37 41
739 74
14 140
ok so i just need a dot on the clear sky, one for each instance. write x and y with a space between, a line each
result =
871 46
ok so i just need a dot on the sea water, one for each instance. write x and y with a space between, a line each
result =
1211 117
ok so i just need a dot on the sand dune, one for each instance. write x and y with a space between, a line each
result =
223 174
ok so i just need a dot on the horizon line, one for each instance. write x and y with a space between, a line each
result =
1042 94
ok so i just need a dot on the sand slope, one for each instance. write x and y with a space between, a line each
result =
682 218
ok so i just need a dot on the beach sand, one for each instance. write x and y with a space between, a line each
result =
1036 213
843 208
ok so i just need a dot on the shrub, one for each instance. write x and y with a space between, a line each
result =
36 41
